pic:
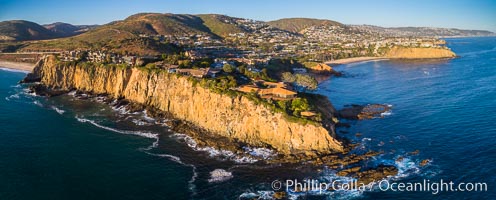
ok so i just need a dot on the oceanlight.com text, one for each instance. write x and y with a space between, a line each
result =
434 187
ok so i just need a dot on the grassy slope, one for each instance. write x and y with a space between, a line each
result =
24 30
298 24
124 35
219 27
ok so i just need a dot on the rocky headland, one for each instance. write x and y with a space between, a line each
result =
419 53
398 52
212 119
236 118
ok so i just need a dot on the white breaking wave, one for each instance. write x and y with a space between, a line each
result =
260 152
139 122
100 99
146 117
37 103
387 113
406 167
58 110
258 195
122 110
138 133
219 175
14 96
191 182
212 152
330 176
126 132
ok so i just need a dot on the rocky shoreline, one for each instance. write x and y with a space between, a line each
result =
346 163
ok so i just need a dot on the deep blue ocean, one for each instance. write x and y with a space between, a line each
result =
68 148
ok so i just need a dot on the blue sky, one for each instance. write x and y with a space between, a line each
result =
467 14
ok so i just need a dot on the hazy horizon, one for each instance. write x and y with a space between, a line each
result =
461 14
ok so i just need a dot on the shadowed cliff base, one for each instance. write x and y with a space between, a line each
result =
345 163
58 79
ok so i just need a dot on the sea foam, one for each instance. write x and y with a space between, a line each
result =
219 175
223 154
58 110
138 133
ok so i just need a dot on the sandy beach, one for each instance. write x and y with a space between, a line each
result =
28 67
353 60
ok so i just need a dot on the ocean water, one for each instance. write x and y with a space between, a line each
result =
68 148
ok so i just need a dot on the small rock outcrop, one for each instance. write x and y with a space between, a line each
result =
360 112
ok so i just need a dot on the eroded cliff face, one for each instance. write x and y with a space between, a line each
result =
236 118
419 53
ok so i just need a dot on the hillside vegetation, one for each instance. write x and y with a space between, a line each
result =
218 26
24 30
20 30
126 35
298 24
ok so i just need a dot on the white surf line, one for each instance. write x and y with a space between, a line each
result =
137 133
176 159
191 182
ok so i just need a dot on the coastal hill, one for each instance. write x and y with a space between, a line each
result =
296 25
213 25
67 30
24 30
20 30
131 34
221 25
147 33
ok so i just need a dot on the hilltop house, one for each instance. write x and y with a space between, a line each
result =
277 92
274 90
198 73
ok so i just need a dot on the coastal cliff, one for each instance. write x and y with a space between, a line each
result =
234 117
318 67
419 53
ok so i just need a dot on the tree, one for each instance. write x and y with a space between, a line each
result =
306 81
288 77
205 64
298 105
184 64
265 74
283 105
228 68
242 69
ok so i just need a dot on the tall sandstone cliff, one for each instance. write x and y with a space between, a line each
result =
237 118
419 53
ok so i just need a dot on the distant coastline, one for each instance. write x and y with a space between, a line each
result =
21 66
354 60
